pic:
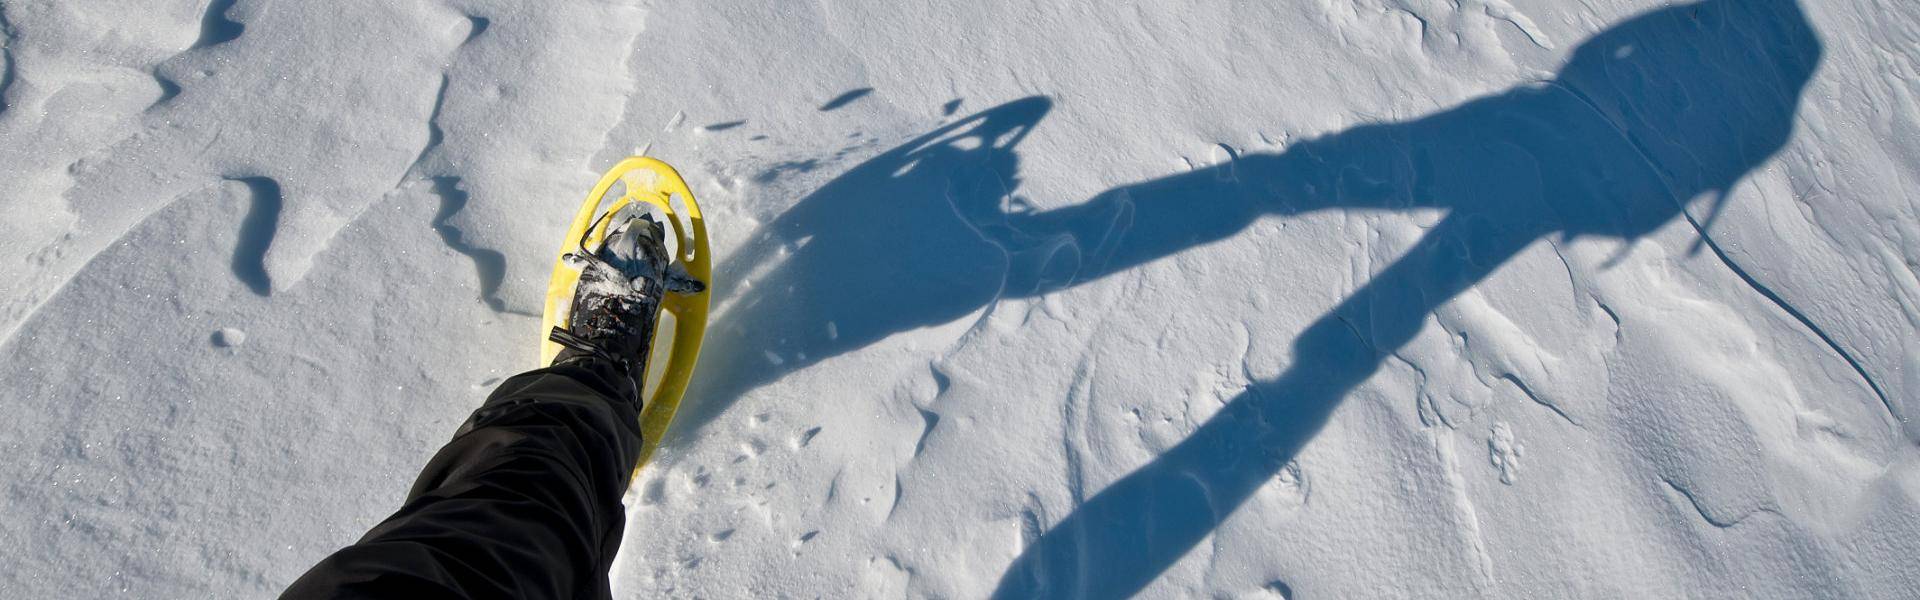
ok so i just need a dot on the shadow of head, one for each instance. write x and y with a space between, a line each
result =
880 249
916 179
1703 93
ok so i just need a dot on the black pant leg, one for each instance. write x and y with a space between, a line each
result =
523 503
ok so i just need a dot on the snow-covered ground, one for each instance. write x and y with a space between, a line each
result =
1304 298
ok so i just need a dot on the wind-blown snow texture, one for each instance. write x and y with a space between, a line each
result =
1315 298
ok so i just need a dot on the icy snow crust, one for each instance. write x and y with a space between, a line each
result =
1066 299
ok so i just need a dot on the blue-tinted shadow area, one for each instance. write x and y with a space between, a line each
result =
845 99
256 234
215 27
1648 115
7 65
883 248
488 264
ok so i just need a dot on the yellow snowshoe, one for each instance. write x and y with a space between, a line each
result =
682 322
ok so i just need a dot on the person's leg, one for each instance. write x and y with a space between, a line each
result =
523 503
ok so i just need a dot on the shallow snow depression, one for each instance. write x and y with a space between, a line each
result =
1061 299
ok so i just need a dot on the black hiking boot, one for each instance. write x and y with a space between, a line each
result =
616 304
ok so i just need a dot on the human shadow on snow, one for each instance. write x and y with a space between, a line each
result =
1646 117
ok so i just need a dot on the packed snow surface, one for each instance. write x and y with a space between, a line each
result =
1064 298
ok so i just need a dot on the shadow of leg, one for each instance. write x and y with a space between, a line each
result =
1127 535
